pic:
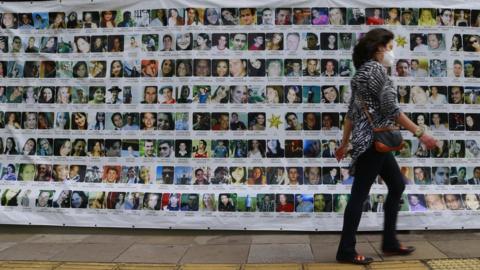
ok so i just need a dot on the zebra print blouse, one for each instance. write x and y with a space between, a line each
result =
372 83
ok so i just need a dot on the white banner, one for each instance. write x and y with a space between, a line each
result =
225 115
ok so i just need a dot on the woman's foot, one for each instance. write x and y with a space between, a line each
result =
356 259
398 251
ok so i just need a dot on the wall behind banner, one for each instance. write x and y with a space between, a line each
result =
160 115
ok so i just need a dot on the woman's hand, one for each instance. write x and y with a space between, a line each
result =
429 141
341 152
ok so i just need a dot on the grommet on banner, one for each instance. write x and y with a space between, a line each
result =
63 224
133 226
208 228
245 228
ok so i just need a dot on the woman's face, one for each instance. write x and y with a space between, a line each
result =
331 39
469 121
255 144
116 68
457 147
9 143
83 45
145 175
112 175
167 67
82 71
182 146
191 14
238 174
222 92
50 43
76 200
65 149
212 16
330 94
181 70
291 95
183 41
272 144
201 41
80 120
47 94
455 41
276 38
282 199
31 121
393 13
201 145
222 69
79 147
227 15
29 145
426 15
99 95
107 16
260 119
271 94
421 119
472 202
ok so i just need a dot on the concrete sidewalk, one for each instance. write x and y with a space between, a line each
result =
244 249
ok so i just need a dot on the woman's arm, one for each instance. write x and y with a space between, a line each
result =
429 141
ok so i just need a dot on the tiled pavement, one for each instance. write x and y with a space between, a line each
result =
227 249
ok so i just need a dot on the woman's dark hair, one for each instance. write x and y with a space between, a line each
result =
368 45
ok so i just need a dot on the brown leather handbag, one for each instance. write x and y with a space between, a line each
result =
385 139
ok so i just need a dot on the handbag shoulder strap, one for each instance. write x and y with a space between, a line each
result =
365 109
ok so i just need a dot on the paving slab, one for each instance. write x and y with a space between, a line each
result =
166 239
327 253
5 245
82 252
332 266
211 267
223 239
459 248
273 267
281 239
147 267
110 238
322 238
460 264
147 253
87 266
216 254
57 238
398 265
280 253
28 265
424 250
15 237
451 235
32 251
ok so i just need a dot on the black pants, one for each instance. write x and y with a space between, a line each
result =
370 164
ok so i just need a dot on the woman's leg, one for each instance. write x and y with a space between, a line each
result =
394 180
367 168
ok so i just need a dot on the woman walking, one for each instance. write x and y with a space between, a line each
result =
373 90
